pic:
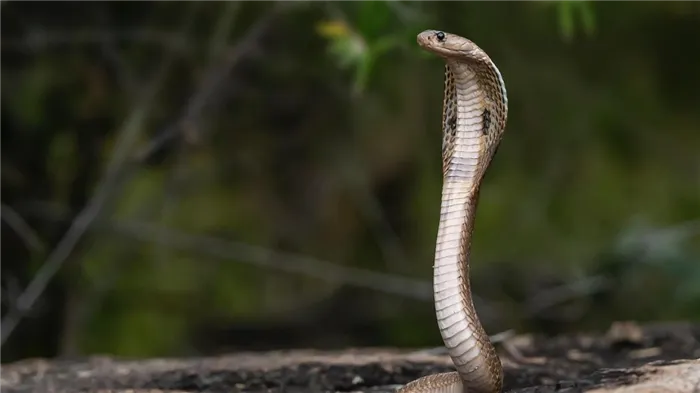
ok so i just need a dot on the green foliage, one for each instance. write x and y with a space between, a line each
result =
571 13
323 141
358 40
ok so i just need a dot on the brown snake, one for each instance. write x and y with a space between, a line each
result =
475 109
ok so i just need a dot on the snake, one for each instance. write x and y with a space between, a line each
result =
474 113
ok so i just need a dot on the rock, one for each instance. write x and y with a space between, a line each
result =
628 359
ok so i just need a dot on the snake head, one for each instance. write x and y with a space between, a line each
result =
448 45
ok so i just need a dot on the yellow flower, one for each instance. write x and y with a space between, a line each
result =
333 29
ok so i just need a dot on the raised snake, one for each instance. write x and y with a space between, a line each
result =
475 109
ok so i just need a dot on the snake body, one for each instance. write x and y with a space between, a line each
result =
475 109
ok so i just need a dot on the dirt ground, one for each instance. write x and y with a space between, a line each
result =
628 358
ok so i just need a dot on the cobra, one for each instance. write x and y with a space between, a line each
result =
475 110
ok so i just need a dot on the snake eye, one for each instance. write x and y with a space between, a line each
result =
440 36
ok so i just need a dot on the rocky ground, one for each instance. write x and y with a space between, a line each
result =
628 358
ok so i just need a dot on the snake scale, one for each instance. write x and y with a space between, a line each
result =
475 109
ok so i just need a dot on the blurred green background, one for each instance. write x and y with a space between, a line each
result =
184 178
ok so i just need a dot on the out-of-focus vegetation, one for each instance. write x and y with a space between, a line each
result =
208 176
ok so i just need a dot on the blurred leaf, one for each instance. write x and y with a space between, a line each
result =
373 18
353 51
566 19
362 73
345 45
385 44
569 12
587 18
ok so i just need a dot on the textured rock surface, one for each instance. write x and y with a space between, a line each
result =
655 358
